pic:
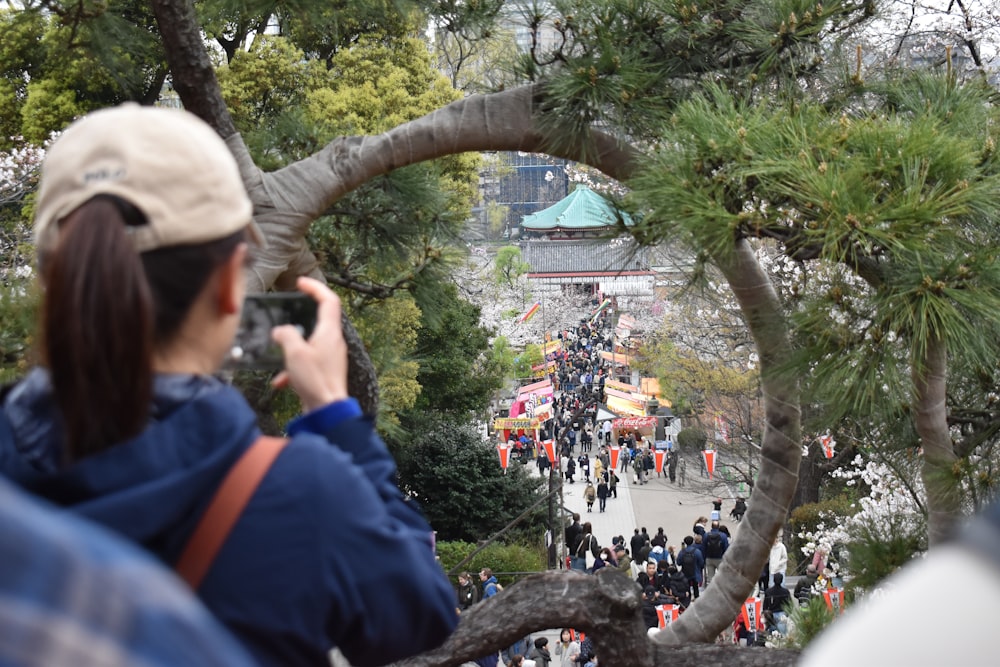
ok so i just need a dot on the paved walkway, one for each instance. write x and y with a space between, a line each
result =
656 504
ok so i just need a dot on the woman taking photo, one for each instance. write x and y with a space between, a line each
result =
142 229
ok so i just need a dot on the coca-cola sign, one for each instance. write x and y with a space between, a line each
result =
630 423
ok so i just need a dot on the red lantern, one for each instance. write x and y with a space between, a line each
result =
504 451
834 600
550 449
709 455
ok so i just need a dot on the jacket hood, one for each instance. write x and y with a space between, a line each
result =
144 487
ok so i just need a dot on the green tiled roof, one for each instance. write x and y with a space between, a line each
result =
583 209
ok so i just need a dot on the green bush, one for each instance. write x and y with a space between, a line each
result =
805 518
876 551
691 439
516 557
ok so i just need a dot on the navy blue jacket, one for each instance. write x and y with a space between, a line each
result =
327 553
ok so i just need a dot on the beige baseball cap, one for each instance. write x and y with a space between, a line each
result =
168 163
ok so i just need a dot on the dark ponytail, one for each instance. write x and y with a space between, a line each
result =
106 310
97 327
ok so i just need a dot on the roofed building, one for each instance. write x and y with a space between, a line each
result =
570 246
582 214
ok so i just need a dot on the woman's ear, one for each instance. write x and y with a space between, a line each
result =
232 282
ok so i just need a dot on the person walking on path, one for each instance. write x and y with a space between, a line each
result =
777 561
691 563
625 459
602 495
716 543
588 550
739 509
490 585
613 480
589 494
639 468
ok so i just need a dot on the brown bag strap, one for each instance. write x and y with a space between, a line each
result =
228 503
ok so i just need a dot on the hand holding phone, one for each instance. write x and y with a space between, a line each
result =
316 368
253 346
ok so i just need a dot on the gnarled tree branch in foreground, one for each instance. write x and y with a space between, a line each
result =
606 607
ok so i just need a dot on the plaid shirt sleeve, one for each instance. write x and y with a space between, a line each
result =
73 594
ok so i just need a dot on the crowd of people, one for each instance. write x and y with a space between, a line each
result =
667 573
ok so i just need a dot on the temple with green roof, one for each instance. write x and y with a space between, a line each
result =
572 244
582 214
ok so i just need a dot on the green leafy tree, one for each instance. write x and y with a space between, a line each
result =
389 330
457 372
508 266
58 64
18 307
524 362
516 557
456 477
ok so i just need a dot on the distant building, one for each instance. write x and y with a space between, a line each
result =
514 185
571 247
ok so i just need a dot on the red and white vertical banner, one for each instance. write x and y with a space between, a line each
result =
504 450
827 443
667 613
752 609
659 455
709 456
616 451
550 449
834 600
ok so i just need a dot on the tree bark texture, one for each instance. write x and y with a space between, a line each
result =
190 67
606 606
930 383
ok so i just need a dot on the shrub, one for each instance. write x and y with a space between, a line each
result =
876 551
515 557
692 439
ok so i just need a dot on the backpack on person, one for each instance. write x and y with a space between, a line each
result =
688 563
713 545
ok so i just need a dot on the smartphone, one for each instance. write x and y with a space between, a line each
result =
253 347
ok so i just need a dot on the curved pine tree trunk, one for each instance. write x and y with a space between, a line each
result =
781 453
930 382
287 201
